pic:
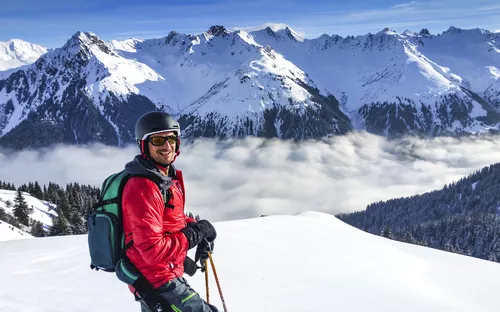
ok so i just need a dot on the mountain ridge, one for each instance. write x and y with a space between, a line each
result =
270 83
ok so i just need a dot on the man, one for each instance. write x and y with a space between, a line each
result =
154 221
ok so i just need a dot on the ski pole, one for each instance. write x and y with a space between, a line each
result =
217 281
206 280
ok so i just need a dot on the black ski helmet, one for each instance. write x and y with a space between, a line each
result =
154 122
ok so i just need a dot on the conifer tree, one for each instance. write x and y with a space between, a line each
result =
37 229
387 233
3 215
21 208
60 224
45 196
37 191
64 226
52 192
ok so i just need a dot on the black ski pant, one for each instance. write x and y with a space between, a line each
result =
178 296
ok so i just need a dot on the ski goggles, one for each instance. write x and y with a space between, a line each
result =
160 140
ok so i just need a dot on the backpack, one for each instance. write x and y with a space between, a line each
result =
106 239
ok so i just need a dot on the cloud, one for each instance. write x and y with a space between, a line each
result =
248 177
273 26
404 5
437 16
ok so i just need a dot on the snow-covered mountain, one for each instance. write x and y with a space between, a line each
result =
270 83
16 53
308 262
404 82
219 83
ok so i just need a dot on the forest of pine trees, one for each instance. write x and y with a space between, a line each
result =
463 217
73 205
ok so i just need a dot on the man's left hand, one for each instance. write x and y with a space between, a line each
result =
202 252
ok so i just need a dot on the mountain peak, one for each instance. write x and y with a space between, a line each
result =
292 34
409 33
16 45
16 52
478 32
86 39
387 31
16 42
171 35
424 32
453 30
282 33
218 30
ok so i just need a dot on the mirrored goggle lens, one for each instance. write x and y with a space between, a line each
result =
158 141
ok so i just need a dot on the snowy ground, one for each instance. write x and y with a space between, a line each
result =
10 232
309 262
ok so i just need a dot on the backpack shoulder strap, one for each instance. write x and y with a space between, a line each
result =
181 182
110 191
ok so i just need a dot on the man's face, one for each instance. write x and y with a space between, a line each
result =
163 153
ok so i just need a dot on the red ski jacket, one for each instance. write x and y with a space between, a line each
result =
159 248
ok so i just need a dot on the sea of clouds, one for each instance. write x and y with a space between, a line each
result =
241 178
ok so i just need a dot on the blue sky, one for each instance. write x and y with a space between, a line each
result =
52 22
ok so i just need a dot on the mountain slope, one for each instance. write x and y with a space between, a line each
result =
333 268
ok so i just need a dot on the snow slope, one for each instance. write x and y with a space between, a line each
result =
308 262
473 55
10 232
42 210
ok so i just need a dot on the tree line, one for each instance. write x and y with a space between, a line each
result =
462 217
68 206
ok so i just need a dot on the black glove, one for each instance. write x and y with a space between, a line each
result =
190 266
208 228
196 232
202 252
